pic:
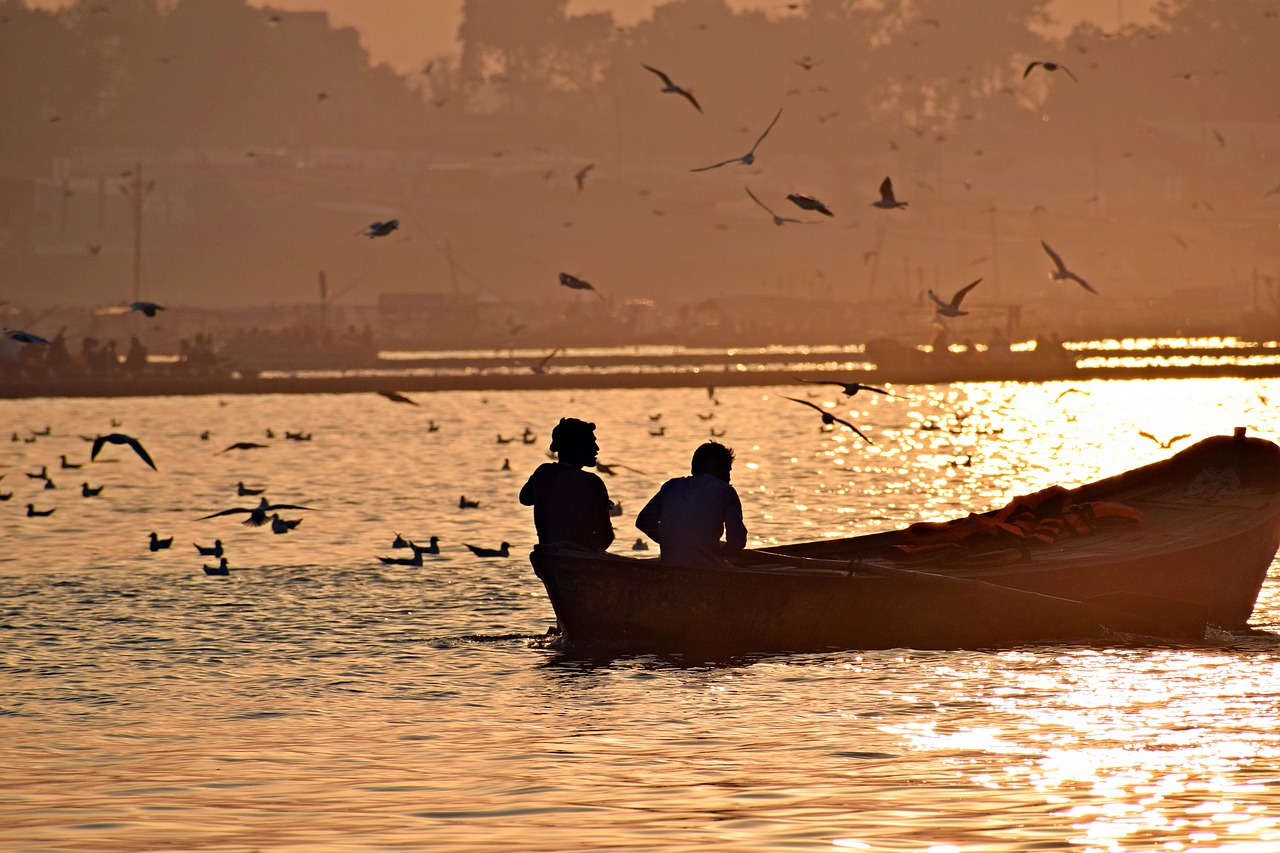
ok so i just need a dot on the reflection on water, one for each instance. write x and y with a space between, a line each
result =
316 699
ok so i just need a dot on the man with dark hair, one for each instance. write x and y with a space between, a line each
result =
688 514
570 506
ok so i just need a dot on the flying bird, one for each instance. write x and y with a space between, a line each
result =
241 445
1164 445
24 337
952 308
669 86
777 220
580 177
575 283
849 388
541 366
887 200
397 397
808 202
1061 273
121 438
748 158
148 308
1049 66
830 419
380 229
257 514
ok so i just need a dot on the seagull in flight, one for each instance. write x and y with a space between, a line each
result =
257 514
1049 66
575 283
380 229
148 308
748 158
887 200
830 419
777 220
541 366
24 337
952 308
1164 445
1061 273
849 388
808 202
669 86
121 438
241 445
397 397
580 177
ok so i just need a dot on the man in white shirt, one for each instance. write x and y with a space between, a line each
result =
689 514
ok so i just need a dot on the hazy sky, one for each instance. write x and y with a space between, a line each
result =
404 32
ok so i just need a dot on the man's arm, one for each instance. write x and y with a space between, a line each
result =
603 521
649 521
529 491
735 532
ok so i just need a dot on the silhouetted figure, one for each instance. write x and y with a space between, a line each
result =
570 506
688 514
135 362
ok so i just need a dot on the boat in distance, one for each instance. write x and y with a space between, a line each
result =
1160 551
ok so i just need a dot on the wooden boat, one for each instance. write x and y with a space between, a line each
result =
1163 550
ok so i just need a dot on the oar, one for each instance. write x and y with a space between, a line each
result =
1129 612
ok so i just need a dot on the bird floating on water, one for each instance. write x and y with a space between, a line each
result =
952 308
32 512
87 491
214 550
433 548
669 86
463 503
1060 271
121 438
830 419
1049 66
158 544
66 464
748 158
502 551
415 560
887 199
220 569
244 491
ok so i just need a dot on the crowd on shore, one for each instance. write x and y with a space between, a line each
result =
97 359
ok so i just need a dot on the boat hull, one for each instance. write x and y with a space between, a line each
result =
1196 546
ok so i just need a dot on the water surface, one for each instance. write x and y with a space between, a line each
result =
318 700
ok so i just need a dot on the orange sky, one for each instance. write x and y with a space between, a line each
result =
404 32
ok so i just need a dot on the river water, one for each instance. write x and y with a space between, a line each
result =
318 700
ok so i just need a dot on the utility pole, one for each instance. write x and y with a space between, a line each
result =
137 231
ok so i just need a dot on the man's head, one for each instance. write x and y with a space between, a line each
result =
574 442
713 458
